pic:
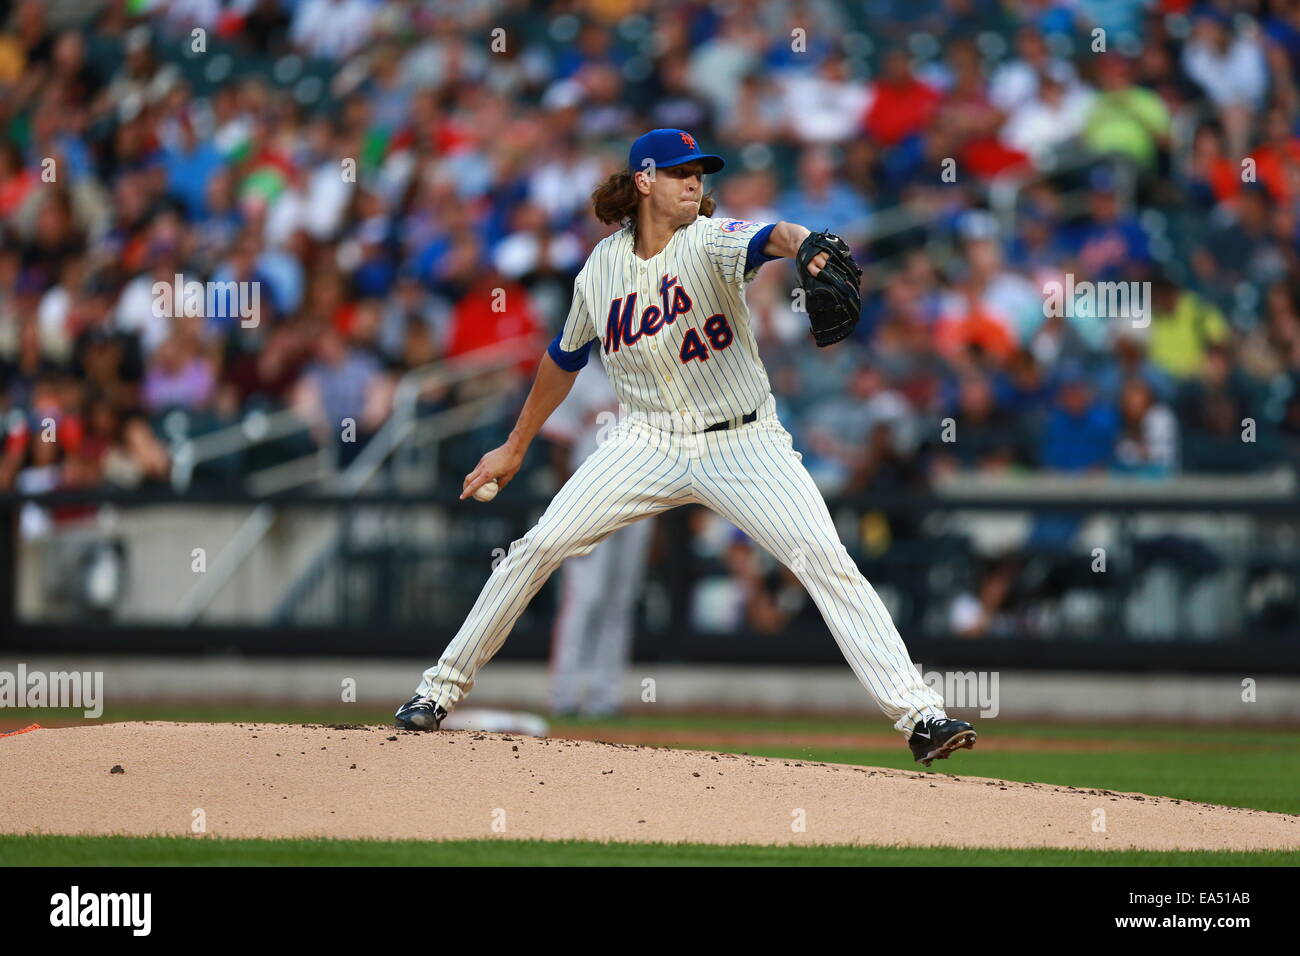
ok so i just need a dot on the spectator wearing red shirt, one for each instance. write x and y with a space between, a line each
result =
493 310
16 181
1273 157
900 104
1212 177
969 113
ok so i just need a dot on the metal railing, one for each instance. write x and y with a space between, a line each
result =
403 427
256 428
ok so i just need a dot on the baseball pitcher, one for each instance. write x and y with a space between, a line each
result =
663 299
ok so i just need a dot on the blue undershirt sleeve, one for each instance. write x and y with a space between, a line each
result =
754 255
569 361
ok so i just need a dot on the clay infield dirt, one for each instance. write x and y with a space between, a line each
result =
284 780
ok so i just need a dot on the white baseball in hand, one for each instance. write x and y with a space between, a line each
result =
486 492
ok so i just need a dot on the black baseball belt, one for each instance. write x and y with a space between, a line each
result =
734 423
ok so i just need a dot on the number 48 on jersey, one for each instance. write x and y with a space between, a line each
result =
716 330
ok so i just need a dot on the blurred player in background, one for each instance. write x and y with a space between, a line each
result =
593 630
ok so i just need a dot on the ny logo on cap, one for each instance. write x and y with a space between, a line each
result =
689 140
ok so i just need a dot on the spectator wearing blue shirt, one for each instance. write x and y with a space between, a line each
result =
1283 30
1079 436
1051 16
822 198
1110 245
1081 430
816 45
1023 389
593 45
190 167
1037 243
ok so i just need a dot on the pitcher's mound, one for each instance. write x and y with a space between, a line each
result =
282 780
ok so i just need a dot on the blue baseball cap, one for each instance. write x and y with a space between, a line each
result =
670 147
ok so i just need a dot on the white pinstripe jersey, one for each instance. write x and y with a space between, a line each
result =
674 331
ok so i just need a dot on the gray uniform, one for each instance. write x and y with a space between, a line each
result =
598 592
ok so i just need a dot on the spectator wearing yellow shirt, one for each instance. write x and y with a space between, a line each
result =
1183 327
1125 118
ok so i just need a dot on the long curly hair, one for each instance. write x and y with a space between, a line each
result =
614 201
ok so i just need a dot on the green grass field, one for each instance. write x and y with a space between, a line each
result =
207 851
1246 768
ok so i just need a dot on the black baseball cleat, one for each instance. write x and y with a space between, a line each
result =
935 738
419 713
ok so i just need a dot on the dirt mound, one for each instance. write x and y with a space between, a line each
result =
278 780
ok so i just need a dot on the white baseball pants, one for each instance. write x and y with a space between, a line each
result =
752 477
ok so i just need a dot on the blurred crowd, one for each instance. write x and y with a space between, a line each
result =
409 180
